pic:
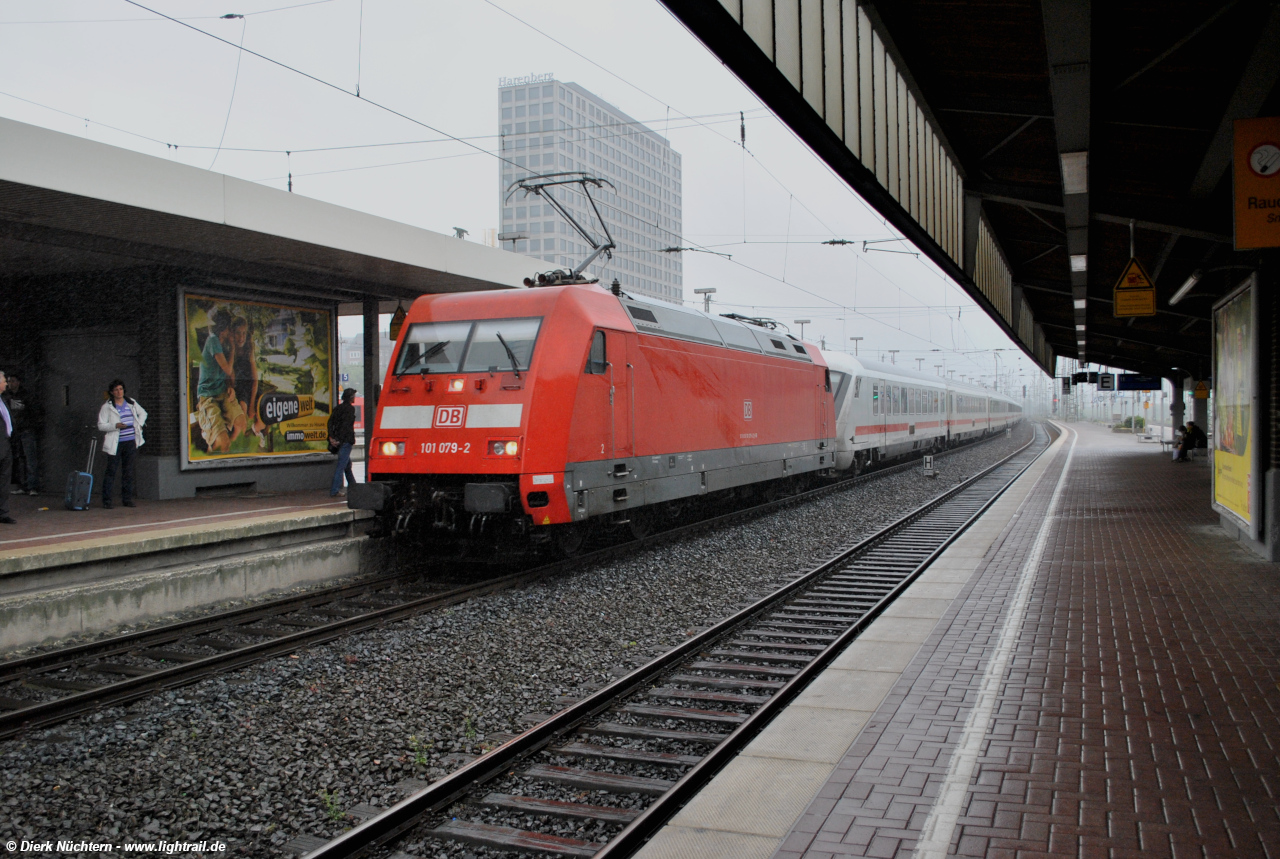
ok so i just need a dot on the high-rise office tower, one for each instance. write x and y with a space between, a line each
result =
548 126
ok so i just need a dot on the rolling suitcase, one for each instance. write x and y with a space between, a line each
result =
80 483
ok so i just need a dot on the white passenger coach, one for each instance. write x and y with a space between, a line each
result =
884 411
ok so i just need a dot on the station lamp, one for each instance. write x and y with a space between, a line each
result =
1186 287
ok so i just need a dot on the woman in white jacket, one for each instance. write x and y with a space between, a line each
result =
122 420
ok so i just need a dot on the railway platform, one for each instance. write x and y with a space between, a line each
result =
65 573
1090 670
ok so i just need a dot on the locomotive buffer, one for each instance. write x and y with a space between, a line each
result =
539 185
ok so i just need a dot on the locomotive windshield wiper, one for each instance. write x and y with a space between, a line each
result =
430 353
515 367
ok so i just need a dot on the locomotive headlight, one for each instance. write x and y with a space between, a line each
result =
392 448
502 447
456 386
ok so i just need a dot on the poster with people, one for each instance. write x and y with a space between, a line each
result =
1234 389
259 379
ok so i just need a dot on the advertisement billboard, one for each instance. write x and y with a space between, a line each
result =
1235 392
258 381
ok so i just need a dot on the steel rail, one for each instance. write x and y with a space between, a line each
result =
640 830
45 713
15 669
408 812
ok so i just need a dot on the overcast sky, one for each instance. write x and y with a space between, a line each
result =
112 71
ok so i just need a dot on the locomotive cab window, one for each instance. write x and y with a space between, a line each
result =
597 361
502 344
433 347
468 346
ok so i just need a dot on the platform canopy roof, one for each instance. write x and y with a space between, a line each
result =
70 205
1006 136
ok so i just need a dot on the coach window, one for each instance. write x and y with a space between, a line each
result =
597 363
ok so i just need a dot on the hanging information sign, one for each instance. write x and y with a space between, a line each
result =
1135 292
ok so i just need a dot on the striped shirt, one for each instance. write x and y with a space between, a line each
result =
126 418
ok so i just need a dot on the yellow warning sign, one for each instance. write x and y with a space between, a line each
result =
397 322
546 520
1202 391
1256 182
1134 293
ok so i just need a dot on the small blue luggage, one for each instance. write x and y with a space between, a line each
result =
80 483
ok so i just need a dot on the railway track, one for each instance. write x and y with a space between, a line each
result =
600 777
46 688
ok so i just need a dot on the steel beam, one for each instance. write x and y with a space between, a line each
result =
1260 75
1068 41
372 374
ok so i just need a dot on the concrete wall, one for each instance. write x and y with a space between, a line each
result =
46 616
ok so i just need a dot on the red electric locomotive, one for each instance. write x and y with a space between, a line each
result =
536 414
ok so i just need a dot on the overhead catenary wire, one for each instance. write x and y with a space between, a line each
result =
360 49
657 226
152 20
714 118
235 81
319 80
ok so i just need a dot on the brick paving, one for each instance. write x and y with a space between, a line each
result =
1140 715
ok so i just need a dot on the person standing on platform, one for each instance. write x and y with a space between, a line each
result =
22 413
342 437
6 453
122 420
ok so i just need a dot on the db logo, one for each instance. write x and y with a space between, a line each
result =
746 410
451 416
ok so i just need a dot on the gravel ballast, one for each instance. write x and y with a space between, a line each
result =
285 748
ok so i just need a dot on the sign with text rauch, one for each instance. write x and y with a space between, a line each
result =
1256 177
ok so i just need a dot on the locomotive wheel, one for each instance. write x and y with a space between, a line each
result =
641 524
569 539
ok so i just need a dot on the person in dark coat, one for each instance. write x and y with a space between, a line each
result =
342 437
22 412
6 454
1193 438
